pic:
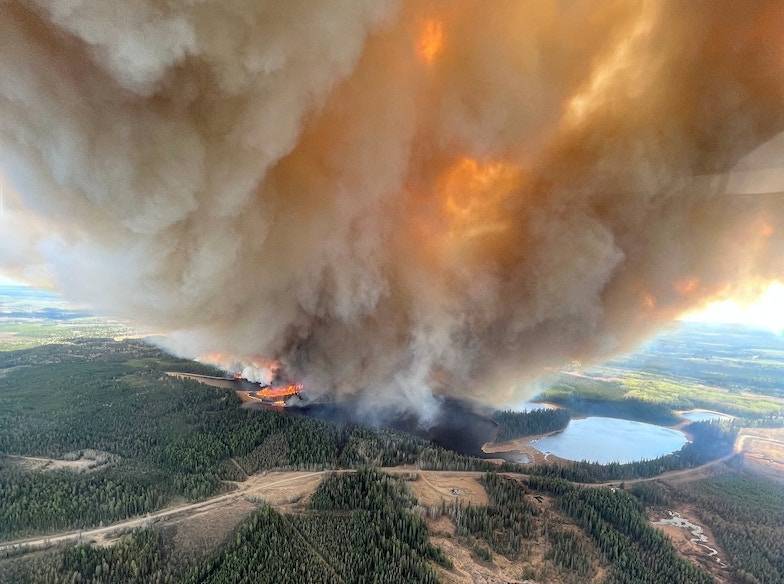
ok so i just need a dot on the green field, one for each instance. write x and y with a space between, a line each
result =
653 388
30 318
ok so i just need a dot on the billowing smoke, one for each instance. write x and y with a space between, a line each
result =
398 198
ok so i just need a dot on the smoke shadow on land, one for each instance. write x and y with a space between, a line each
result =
459 425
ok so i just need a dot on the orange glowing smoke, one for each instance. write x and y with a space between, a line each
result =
766 230
473 196
431 40
648 301
687 286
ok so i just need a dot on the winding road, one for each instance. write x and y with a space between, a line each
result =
255 486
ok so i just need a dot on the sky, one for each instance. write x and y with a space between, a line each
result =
765 312
5 281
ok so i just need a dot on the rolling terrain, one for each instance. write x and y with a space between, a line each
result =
170 474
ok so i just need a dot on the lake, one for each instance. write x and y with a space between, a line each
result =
606 440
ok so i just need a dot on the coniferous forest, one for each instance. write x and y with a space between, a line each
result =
513 425
162 440
744 511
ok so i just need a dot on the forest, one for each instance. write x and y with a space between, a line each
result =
636 552
172 439
365 526
168 437
360 527
513 424
744 511
504 524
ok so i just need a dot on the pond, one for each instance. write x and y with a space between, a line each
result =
606 440
704 415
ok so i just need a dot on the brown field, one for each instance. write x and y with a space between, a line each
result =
523 446
469 569
86 461
205 379
284 490
430 488
763 450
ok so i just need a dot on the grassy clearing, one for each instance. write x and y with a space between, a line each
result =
681 394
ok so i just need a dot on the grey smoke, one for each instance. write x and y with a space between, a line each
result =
293 181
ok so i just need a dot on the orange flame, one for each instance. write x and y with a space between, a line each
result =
283 391
431 40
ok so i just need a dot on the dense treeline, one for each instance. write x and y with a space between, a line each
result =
762 422
266 549
35 502
746 514
571 553
504 524
379 510
513 424
361 529
168 437
139 558
615 520
610 406
711 440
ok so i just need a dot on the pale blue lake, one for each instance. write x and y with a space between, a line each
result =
606 440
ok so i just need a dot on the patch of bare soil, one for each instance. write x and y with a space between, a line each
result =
198 534
763 450
207 526
221 382
286 491
206 529
430 488
693 540
467 568
531 567
523 447
79 461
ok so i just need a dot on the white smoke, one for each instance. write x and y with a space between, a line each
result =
394 198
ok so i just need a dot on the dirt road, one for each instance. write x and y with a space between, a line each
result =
261 484
254 486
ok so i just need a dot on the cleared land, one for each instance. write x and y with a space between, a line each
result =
80 462
265 486
763 450
523 446
432 487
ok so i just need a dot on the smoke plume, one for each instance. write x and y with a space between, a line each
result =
397 198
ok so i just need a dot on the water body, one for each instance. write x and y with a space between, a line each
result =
606 440
704 416
698 536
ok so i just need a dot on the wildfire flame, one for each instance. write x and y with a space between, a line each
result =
282 391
